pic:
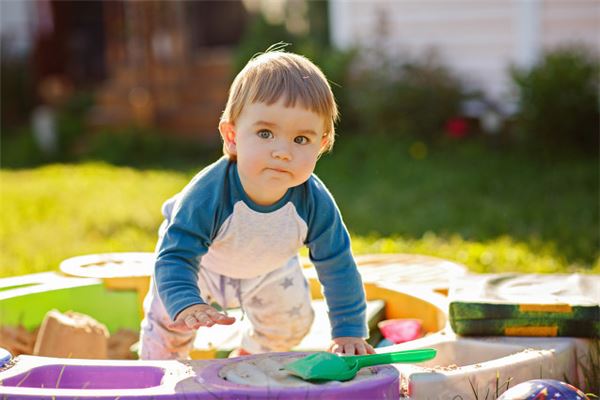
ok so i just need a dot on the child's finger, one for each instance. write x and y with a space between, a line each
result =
361 349
192 322
179 326
370 349
209 323
204 318
211 317
364 348
349 349
225 320
336 348
219 318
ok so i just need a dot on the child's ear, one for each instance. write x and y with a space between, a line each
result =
227 130
324 141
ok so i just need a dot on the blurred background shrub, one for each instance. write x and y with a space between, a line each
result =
559 101
415 98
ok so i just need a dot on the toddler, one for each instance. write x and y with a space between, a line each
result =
231 237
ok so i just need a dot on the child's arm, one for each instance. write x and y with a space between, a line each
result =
328 242
189 227
199 315
180 247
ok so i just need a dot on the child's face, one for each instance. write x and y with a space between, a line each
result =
277 148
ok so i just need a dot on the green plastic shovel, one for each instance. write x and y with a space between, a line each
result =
323 366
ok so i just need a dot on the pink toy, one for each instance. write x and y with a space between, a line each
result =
401 330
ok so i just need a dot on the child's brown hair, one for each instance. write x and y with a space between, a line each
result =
275 74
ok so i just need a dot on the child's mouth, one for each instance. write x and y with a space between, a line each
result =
281 171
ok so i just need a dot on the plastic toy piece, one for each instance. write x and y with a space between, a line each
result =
323 366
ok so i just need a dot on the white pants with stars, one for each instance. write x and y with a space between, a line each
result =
277 306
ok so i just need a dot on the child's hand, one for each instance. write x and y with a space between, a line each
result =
199 315
350 346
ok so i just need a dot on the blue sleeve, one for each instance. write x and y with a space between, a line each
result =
328 242
186 234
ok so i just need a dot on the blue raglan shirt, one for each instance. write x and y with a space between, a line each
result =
212 222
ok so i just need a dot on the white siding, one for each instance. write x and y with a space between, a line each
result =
478 39
571 21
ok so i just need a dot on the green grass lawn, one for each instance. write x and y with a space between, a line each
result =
490 210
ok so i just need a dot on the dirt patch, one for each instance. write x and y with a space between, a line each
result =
18 340
438 368
119 344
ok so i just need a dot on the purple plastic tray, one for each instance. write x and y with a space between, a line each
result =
87 377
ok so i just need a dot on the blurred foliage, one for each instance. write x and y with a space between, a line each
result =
20 149
559 101
70 123
16 90
415 98
147 148
418 97
133 146
261 34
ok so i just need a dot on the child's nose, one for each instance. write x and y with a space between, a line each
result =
282 152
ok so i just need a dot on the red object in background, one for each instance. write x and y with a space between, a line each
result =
401 330
457 127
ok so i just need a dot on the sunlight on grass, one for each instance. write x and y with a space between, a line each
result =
59 211
503 254
473 198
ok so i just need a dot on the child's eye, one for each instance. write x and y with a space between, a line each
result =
301 140
265 134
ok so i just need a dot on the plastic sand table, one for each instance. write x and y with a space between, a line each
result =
256 377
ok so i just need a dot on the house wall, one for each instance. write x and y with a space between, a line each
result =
565 21
477 39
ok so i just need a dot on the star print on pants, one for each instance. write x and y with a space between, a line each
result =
256 301
234 283
294 311
287 282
